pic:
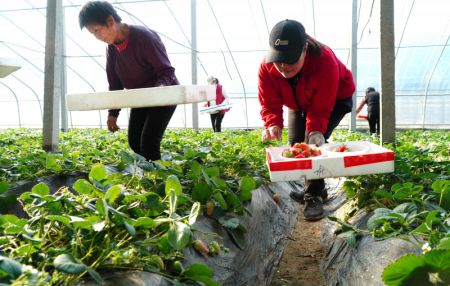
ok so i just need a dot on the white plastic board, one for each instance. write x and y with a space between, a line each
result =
8 66
367 158
141 97
216 108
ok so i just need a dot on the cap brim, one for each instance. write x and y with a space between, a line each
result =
287 57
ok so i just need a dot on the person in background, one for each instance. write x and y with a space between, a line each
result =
372 99
135 58
221 97
305 76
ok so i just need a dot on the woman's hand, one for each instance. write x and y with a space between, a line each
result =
316 138
112 123
271 133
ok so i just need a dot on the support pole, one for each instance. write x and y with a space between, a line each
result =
194 59
354 61
52 77
387 68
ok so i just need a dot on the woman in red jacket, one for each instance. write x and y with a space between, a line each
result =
305 76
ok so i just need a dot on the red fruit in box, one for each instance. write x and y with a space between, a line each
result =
295 151
300 156
316 152
305 153
287 153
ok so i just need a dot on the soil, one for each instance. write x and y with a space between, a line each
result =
299 265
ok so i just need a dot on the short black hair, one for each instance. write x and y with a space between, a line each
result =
370 89
97 12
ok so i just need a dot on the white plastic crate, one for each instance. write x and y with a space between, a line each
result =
364 158
141 97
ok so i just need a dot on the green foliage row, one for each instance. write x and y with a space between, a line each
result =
141 219
412 203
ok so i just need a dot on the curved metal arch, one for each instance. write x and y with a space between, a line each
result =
17 102
32 90
429 80
234 62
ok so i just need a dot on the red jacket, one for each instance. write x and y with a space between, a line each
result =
323 80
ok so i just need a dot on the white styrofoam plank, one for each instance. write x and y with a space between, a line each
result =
141 97
8 66
367 158
216 108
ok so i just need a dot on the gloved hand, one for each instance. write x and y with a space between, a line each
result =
271 133
316 138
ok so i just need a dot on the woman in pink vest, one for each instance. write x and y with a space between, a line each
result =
221 97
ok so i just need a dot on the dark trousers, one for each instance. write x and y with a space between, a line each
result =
146 129
216 121
297 133
374 121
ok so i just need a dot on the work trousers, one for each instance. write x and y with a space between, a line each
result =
146 128
216 121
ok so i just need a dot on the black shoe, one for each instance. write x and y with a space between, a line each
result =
300 196
313 208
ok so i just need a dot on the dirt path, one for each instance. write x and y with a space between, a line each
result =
299 264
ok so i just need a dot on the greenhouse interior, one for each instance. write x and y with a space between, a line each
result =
213 142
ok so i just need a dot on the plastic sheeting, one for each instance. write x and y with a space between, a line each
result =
345 266
252 263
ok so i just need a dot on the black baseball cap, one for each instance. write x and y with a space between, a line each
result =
286 41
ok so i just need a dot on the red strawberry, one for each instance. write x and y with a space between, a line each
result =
300 156
200 246
295 151
306 154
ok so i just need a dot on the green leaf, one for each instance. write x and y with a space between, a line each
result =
444 243
197 269
94 275
220 200
196 170
201 192
179 235
194 213
98 173
350 238
247 184
51 162
145 222
438 260
60 218
11 267
113 193
245 195
67 264
130 228
173 185
212 171
83 187
398 272
41 189
405 208
230 222
205 280
3 187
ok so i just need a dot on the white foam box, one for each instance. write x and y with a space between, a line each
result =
8 66
141 97
216 108
363 158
